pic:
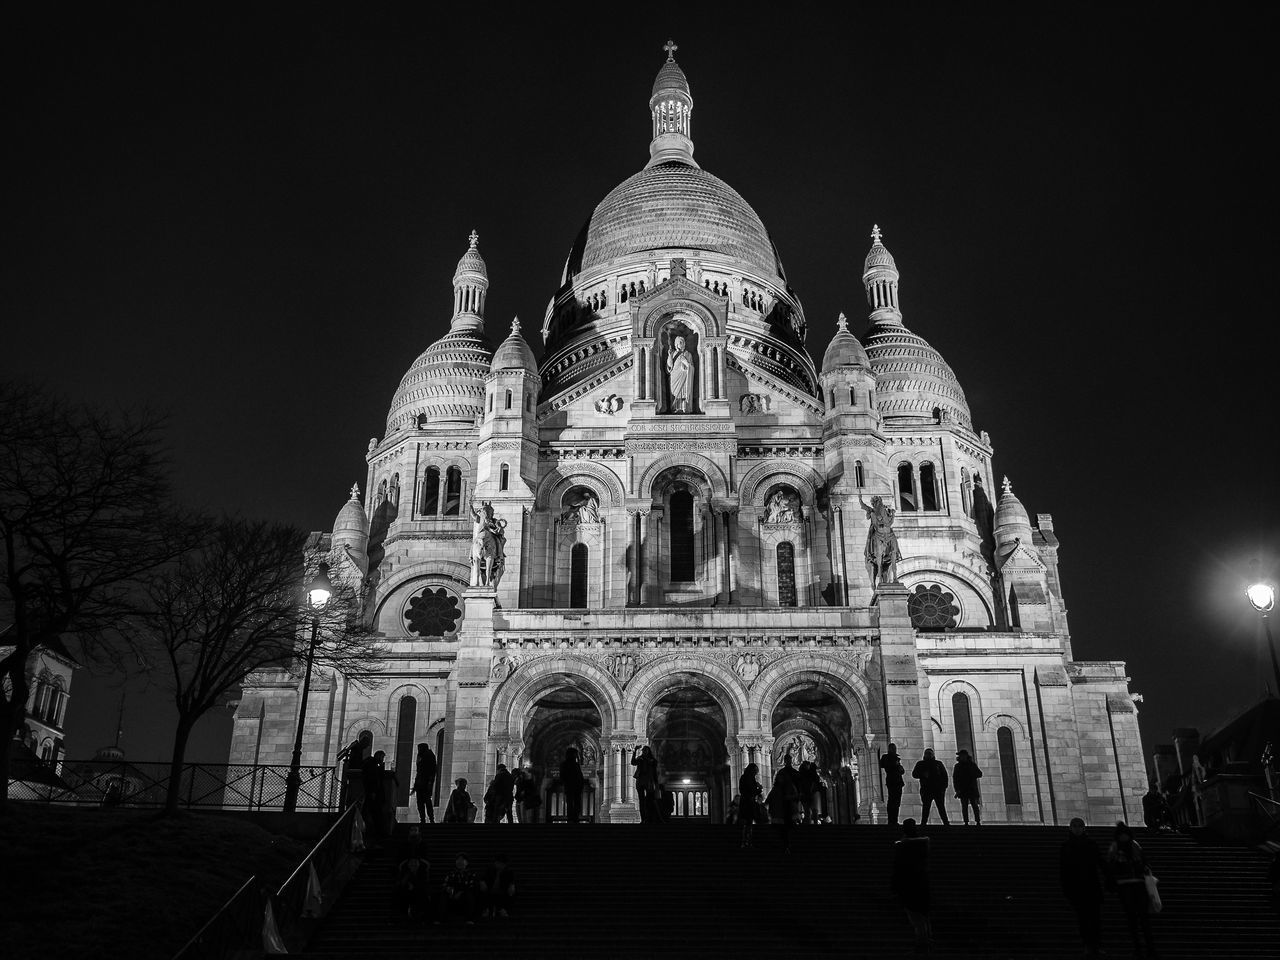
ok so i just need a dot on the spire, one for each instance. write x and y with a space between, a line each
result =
515 326
670 108
880 279
470 286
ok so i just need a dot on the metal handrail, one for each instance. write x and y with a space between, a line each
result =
329 853
323 841
205 936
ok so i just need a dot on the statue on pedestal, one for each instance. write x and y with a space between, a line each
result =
680 377
882 554
488 546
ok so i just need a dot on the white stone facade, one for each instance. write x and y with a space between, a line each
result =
683 495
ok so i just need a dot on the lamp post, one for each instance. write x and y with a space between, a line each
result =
1263 597
318 594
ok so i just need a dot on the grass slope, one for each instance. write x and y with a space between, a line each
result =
85 882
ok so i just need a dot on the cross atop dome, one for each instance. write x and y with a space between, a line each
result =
671 49
473 239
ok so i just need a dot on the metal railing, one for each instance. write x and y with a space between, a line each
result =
210 786
236 929
295 901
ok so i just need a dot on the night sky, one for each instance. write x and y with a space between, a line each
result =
250 223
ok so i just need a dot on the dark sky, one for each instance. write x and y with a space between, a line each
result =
250 222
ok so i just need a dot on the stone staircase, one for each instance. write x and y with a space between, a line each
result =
688 890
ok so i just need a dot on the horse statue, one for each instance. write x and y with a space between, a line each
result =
882 553
488 546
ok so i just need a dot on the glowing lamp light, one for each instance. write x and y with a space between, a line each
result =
1262 596
321 589
686 782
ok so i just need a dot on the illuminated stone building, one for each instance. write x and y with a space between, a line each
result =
683 496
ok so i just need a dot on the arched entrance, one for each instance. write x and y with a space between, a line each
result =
558 720
811 725
686 728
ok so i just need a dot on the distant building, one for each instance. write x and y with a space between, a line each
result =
662 532
49 672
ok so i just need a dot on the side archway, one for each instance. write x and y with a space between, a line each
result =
711 474
663 675
516 697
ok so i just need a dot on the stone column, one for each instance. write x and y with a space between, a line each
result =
467 737
906 705
731 553
619 808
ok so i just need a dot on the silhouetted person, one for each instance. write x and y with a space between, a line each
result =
462 892
646 777
413 888
809 785
1155 811
1128 870
1080 870
749 798
527 795
782 801
500 887
894 778
424 783
458 809
932 774
499 798
965 776
375 792
572 781
910 882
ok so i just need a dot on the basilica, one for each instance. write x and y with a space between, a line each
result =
675 529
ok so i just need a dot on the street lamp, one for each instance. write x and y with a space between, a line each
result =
318 594
1263 597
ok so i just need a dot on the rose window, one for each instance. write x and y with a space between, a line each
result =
932 608
432 613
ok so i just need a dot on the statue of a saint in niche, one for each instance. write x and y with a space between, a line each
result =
680 377
783 507
583 507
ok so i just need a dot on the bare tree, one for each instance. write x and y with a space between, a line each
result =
235 605
84 514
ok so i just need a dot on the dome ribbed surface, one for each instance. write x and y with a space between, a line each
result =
670 77
911 376
514 354
351 521
471 262
844 351
674 206
878 256
446 382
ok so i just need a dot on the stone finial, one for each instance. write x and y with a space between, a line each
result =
671 49
842 323
515 326
473 239
1006 486
373 443
355 492
875 233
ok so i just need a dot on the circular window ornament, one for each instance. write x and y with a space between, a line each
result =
932 608
432 613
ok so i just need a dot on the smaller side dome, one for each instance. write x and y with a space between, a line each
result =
878 257
351 532
670 78
844 349
1011 521
514 353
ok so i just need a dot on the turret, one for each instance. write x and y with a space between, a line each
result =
351 535
511 401
470 286
671 109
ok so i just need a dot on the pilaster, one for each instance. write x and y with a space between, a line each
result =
467 741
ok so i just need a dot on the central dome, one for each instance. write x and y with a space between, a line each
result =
674 206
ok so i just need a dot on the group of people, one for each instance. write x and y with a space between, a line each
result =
1085 874
932 774
793 798
463 896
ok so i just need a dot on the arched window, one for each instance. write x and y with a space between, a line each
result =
578 576
853 397
528 402
928 486
453 492
1015 615
404 748
786 575
1008 766
622 297
907 488
508 400
964 723
46 750
504 477
429 502
859 479
833 397
966 492
491 403
683 567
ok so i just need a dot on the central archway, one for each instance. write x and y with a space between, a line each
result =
686 728
558 721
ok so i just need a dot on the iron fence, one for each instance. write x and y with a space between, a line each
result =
209 786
